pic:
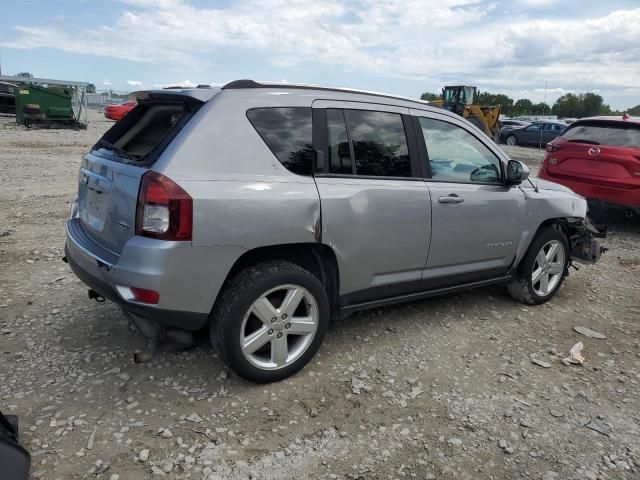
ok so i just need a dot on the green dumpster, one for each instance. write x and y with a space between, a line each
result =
45 106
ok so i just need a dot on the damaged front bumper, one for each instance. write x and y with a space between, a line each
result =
584 241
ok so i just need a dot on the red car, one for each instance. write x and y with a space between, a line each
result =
117 111
598 158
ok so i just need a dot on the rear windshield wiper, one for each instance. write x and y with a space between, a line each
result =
581 140
114 149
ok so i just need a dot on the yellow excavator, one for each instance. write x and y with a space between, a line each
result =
460 99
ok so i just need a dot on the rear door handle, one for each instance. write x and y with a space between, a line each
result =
452 198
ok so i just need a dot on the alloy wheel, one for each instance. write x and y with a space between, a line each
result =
511 140
548 268
279 327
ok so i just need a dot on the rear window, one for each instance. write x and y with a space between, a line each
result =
613 134
287 131
145 132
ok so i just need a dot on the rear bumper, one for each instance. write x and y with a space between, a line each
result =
187 278
174 318
626 197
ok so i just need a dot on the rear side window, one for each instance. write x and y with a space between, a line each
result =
615 135
287 131
379 143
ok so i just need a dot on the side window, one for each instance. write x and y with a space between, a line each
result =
287 131
455 155
534 127
340 160
379 143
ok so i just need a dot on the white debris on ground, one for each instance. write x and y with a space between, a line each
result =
445 388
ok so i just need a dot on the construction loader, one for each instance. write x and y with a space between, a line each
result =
460 99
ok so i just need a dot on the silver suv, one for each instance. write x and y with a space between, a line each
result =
264 210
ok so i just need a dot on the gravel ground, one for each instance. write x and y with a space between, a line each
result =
443 388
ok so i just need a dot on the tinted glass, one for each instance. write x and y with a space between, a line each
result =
457 156
534 126
287 133
340 160
379 143
615 135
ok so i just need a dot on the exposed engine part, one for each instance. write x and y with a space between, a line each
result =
176 339
583 238
146 328
153 345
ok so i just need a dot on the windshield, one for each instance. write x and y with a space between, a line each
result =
612 134
450 95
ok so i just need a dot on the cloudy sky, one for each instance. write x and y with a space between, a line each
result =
397 46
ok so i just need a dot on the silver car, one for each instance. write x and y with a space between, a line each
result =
263 210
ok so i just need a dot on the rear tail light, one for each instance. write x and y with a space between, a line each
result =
550 147
164 209
143 295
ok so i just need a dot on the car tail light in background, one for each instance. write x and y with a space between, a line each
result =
164 209
550 147
143 295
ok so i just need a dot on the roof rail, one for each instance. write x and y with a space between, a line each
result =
246 83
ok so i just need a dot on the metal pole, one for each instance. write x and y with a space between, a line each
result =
544 110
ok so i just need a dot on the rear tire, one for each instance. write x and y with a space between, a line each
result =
511 140
262 339
543 268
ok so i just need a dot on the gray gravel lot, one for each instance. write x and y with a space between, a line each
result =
443 388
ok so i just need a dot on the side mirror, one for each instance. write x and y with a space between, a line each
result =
517 172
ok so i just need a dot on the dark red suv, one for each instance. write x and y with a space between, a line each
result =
599 158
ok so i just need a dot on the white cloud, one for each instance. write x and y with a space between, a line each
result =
434 41
134 83
106 82
183 84
537 3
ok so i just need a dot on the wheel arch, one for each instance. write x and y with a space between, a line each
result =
561 223
317 258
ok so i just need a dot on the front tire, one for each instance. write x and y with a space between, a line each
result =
543 268
270 321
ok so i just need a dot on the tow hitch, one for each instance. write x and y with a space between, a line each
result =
93 295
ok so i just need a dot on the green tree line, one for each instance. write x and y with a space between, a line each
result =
570 105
